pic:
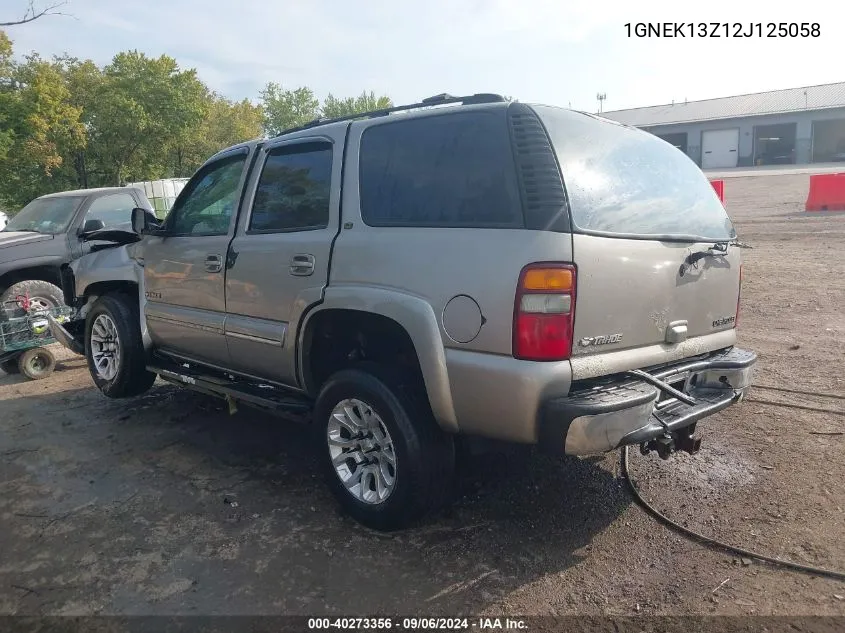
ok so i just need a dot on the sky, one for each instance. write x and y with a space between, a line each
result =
546 51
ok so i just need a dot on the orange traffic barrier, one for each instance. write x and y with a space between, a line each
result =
827 193
719 186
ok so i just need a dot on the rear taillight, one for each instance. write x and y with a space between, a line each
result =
544 312
738 297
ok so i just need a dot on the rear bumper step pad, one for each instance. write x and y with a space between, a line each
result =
604 415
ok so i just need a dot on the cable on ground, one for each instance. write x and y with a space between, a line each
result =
711 542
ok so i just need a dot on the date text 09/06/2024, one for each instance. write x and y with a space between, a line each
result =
418 624
723 29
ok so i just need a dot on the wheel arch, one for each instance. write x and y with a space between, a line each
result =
111 286
49 273
391 314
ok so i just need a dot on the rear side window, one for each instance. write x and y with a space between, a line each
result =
294 189
449 170
627 182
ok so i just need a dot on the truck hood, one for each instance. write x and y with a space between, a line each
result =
18 238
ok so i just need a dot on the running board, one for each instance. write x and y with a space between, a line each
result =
265 396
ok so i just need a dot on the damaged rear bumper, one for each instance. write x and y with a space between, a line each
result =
663 405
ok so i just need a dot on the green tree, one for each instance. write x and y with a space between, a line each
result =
284 109
84 80
365 102
8 99
68 123
226 123
41 126
141 107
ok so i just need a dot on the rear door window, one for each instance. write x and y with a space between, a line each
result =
294 189
626 182
449 170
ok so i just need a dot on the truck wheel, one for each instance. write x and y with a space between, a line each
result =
36 363
42 296
114 349
385 459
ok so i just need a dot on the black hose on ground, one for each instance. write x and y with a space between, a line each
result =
820 394
793 406
711 542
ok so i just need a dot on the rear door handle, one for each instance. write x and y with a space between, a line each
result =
302 265
213 263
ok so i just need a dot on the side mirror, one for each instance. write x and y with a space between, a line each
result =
93 225
143 221
139 220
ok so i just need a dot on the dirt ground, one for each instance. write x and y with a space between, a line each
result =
167 505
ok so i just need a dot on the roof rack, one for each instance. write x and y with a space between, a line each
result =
441 99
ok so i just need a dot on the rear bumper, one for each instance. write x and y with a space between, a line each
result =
603 415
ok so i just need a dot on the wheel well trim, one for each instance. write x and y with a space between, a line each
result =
41 269
416 317
97 289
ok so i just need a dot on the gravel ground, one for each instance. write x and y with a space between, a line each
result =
165 504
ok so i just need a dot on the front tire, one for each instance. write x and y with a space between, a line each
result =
384 457
114 348
42 296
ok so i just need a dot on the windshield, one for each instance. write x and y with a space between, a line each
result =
45 215
627 182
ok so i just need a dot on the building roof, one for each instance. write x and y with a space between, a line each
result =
773 102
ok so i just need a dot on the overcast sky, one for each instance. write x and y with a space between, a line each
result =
549 51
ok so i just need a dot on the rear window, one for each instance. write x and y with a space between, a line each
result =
449 170
627 182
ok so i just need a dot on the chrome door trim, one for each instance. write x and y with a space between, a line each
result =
255 339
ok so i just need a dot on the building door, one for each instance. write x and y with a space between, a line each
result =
829 140
677 139
719 148
774 144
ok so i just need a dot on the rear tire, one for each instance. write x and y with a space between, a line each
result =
36 363
114 348
42 296
384 457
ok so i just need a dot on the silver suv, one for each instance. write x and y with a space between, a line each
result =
457 266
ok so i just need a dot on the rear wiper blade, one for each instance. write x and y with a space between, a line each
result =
734 242
719 249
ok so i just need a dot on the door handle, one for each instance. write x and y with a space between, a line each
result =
302 265
213 263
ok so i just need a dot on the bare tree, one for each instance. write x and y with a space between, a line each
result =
33 13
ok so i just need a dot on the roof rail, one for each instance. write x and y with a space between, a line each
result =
441 99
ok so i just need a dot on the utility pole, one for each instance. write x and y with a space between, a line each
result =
601 96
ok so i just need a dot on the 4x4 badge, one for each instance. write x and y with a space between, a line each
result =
587 341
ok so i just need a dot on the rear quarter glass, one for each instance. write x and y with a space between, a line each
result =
454 169
624 181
